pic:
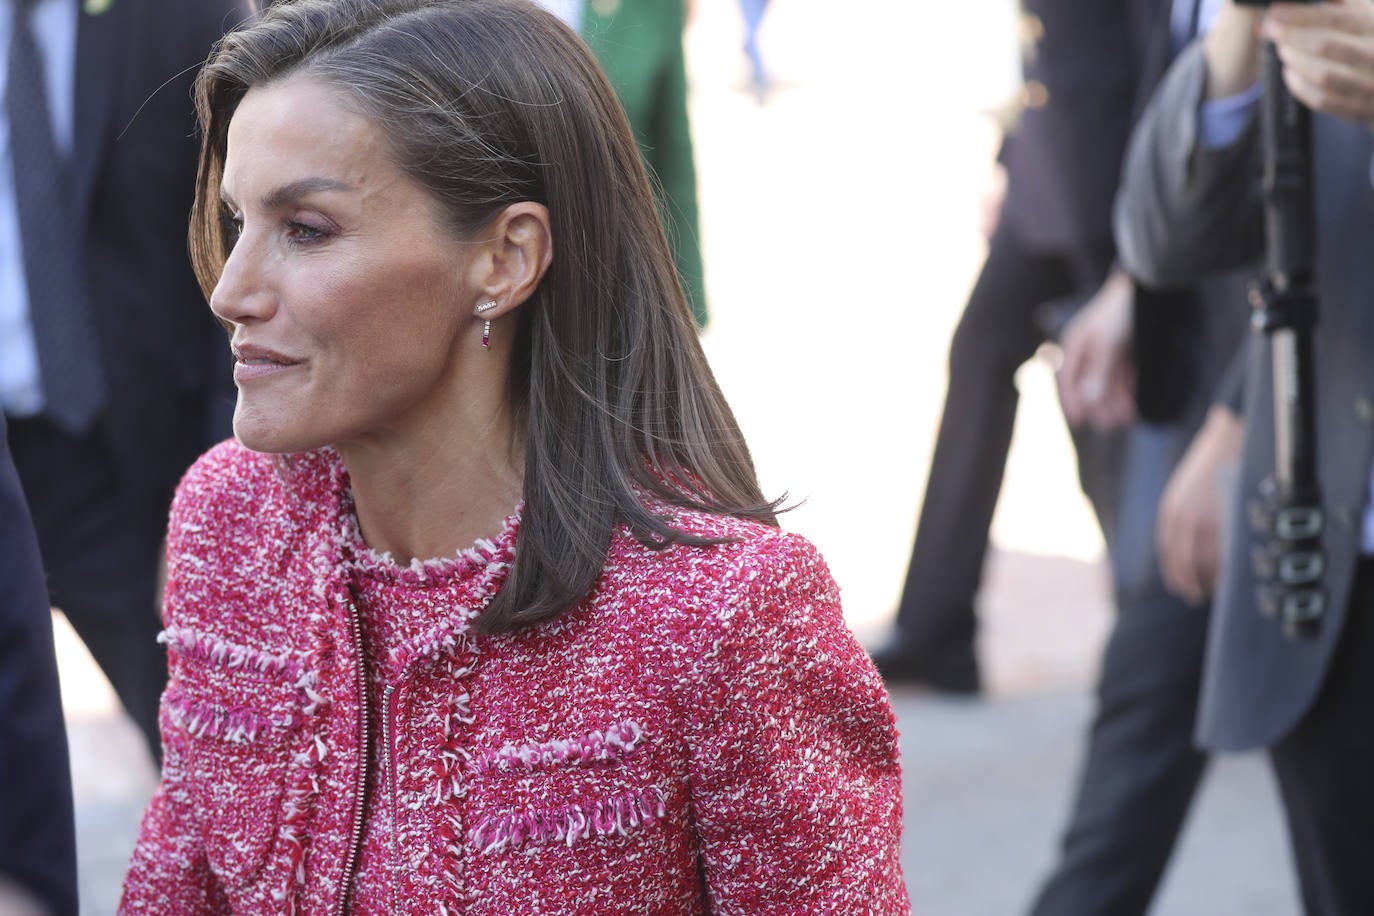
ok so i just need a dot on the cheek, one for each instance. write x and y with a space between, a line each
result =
346 318
387 331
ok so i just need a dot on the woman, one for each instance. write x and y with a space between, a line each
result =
457 327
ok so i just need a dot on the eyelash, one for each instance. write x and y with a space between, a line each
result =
232 227
299 233
305 234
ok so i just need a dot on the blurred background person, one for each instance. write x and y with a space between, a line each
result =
112 375
37 834
1191 204
1172 353
1050 244
759 81
639 45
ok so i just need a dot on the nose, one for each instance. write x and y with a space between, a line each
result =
243 295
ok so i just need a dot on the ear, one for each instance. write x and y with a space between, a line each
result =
516 253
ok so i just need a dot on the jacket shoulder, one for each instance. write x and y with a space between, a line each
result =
755 568
762 559
222 486
239 523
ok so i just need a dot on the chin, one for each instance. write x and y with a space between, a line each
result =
271 435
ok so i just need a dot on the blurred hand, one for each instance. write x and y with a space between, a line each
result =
1096 373
1188 531
994 195
15 901
1327 51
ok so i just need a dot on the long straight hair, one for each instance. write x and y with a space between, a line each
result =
487 103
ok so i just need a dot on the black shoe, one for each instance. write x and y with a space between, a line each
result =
954 672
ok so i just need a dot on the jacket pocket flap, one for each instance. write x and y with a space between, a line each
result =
598 748
238 751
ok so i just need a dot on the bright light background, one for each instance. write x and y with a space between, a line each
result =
841 237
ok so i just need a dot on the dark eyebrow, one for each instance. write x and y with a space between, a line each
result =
287 193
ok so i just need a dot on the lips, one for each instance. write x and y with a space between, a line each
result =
255 362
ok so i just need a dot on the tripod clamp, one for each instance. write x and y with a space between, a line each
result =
1288 562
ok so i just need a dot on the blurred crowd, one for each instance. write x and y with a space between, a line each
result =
1133 225
1126 230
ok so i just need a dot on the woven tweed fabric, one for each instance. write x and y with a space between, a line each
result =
701 734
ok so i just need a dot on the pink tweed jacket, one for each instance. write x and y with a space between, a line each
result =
701 734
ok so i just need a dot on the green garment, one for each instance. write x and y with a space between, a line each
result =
639 45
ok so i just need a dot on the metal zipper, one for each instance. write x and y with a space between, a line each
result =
355 847
390 771
360 789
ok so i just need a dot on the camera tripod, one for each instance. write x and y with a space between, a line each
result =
1287 514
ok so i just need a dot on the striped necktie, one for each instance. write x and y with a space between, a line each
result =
68 358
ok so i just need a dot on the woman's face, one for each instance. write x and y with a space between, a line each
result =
349 299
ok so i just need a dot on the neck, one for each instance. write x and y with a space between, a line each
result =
438 486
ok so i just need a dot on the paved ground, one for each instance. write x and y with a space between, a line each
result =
840 230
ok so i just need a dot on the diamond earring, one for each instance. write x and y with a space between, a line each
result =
486 323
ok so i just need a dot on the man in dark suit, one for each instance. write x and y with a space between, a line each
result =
1190 205
113 375
1140 769
1052 242
37 839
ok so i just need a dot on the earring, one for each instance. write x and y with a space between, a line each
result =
486 323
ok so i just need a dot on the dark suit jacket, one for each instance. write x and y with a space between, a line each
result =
1186 339
166 362
37 838
1184 212
1082 62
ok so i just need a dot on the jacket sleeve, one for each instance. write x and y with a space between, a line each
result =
795 773
1183 210
37 839
1230 392
169 871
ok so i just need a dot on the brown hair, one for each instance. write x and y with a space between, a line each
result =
488 103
